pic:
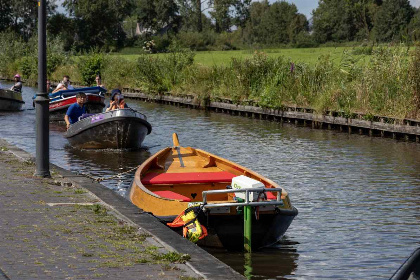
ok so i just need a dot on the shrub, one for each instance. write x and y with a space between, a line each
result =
119 73
196 41
90 65
162 74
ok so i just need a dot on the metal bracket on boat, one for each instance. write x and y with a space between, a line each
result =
276 202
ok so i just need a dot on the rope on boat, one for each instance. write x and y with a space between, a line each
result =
99 179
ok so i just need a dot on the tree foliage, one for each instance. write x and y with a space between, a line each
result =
98 23
21 16
392 20
276 23
155 15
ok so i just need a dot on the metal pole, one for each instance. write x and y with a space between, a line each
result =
41 100
248 265
247 224
247 228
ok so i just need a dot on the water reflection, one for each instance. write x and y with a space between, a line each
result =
277 262
99 163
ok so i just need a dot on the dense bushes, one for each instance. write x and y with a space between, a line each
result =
90 65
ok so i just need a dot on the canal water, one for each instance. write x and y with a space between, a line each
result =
358 197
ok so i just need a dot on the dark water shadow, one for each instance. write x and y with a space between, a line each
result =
276 262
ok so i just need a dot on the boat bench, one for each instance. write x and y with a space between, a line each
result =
184 178
187 178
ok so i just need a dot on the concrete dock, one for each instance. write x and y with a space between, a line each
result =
69 227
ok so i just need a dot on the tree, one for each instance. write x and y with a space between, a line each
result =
99 23
273 24
60 26
392 20
414 26
328 20
241 13
21 16
191 15
220 14
156 15
298 25
5 14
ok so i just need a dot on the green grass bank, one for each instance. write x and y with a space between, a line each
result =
382 80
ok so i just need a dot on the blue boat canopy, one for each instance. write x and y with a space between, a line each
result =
71 92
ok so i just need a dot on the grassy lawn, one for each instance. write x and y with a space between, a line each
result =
308 55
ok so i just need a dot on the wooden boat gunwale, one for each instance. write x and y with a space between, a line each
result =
145 166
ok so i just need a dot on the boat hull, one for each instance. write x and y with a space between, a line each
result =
118 129
10 100
267 230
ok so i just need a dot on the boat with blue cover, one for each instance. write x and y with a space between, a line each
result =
116 129
61 100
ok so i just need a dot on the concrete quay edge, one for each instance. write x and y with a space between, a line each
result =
201 262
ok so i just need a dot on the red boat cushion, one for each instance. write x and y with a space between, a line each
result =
172 195
271 196
185 178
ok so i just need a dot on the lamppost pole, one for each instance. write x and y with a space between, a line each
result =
42 100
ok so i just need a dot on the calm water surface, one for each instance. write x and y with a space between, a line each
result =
358 197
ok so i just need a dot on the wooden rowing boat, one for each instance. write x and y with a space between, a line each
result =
10 100
116 129
177 177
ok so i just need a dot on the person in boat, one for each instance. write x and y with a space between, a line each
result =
76 110
18 84
49 88
116 101
64 84
98 80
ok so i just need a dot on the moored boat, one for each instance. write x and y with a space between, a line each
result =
10 100
176 178
61 100
116 129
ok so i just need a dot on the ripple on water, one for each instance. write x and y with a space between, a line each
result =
358 197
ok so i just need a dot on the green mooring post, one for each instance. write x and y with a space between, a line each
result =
247 228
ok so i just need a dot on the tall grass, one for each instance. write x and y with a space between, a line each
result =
388 85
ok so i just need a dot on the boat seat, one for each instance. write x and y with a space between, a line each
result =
271 196
172 195
187 178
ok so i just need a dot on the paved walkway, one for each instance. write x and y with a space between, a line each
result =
51 231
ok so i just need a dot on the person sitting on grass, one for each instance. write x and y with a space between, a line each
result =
116 101
76 110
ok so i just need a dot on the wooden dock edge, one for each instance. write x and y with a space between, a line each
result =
408 130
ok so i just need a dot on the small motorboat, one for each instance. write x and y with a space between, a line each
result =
116 129
10 100
176 178
61 100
